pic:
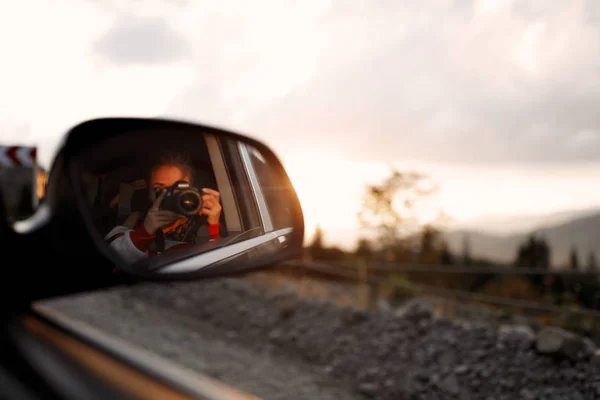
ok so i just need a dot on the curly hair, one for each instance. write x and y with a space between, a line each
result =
178 159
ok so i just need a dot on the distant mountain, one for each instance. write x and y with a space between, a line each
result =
514 224
582 232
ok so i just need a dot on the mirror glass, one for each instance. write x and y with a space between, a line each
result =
176 198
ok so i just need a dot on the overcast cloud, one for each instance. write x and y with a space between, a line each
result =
445 80
135 40
455 80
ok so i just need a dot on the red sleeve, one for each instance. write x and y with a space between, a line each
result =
141 238
213 230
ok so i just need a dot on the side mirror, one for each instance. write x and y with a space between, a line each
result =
170 199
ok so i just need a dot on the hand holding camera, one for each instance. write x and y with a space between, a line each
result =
157 218
180 201
211 206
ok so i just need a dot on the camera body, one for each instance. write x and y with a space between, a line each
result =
181 198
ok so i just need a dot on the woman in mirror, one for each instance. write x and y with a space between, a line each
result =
163 227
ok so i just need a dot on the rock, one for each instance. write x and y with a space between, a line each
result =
480 354
520 335
232 334
578 348
351 316
557 341
286 312
507 383
449 384
275 334
597 390
368 388
595 359
384 305
445 361
461 369
550 340
422 376
416 310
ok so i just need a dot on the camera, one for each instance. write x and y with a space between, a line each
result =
181 198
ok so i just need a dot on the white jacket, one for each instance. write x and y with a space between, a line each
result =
134 244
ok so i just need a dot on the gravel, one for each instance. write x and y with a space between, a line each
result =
199 346
311 348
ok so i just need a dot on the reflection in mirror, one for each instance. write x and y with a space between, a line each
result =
158 197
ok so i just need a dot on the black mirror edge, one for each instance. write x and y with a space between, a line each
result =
7 234
107 127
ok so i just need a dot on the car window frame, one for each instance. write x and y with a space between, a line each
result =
231 211
256 188
275 195
244 194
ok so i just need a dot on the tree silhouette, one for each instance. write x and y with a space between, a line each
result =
467 258
574 259
591 263
388 208
446 257
428 240
534 253
317 242
430 246
364 248
316 248
318 251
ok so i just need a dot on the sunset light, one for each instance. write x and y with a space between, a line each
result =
331 189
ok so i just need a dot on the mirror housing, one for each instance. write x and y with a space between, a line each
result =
104 186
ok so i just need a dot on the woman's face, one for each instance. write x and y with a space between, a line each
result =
162 177
165 176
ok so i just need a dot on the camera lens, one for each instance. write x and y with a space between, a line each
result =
190 202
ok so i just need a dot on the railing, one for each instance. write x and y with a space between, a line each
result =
459 269
371 273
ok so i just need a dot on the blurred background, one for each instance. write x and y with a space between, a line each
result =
447 149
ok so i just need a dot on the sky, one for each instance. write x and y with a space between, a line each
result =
495 99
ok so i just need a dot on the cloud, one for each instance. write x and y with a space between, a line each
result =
585 138
145 40
449 80
470 81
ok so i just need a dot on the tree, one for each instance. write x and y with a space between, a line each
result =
574 259
364 249
534 253
317 242
446 256
591 263
430 246
428 240
467 259
316 248
388 207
